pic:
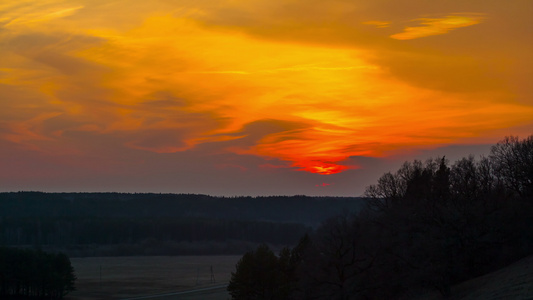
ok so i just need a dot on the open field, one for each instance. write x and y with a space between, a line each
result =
129 277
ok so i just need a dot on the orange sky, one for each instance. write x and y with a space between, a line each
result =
99 87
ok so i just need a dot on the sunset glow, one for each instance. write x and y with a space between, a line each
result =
299 87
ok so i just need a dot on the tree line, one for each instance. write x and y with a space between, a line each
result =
34 274
295 209
91 224
76 233
427 226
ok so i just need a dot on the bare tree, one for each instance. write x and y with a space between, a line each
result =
338 261
513 162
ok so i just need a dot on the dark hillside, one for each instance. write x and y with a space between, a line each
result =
428 226
512 282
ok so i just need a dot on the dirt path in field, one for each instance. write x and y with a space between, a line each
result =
209 293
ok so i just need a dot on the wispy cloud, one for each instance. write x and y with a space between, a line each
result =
29 15
160 79
378 24
436 26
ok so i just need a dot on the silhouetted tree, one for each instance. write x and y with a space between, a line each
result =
260 274
336 260
438 225
34 274
257 276
513 163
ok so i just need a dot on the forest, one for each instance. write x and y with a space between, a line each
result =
34 274
115 224
425 227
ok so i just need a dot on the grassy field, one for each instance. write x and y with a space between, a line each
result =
127 277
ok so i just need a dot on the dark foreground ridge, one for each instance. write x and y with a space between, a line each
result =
512 282
426 228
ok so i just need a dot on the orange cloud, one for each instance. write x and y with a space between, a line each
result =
436 26
18 14
378 24
169 81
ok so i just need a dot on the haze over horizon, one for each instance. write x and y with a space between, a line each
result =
254 97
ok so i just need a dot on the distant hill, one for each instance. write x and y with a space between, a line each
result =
110 224
295 209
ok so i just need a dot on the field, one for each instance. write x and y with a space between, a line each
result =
130 277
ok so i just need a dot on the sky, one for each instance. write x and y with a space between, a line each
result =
254 97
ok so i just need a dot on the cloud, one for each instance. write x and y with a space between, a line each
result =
24 132
231 166
164 86
378 24
269 166
176 88
437 26
160 141
30 15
